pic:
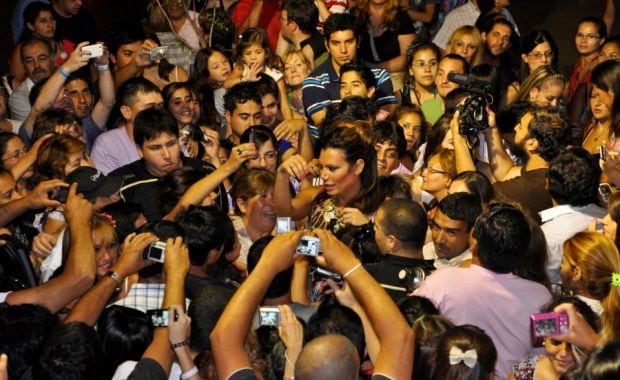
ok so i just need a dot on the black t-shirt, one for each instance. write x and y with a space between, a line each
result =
146 187
248 374
386 272
317 43
148 369
78 28
386 44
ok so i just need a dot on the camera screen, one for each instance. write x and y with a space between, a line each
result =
283 225
158 317
270 317
545 327
155 253
308 247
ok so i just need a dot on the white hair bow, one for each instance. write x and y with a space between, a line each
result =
469 357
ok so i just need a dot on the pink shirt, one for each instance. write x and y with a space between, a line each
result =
500 304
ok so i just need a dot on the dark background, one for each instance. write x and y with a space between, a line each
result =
557 16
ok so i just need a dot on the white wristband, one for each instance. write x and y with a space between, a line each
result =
189 373
101 68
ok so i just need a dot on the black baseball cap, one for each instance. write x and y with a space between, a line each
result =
93 183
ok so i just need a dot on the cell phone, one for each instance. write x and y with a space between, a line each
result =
283 225
158 317
269 316
549 324
95 50
602 150
155 252
309 246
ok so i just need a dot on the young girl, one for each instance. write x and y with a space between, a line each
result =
253 56
411 120
211 70
464 353
419 88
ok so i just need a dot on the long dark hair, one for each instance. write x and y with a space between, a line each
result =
356 147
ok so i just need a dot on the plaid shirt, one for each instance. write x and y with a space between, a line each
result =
145 297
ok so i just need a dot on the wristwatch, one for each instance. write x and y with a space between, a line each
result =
117 278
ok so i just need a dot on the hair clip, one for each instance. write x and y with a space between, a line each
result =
469 357
615 279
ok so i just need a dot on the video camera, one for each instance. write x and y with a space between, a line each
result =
473 115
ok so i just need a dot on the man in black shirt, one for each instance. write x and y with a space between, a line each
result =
73 22
400 230
299 19
156 135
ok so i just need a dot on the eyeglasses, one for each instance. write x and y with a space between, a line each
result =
15 156
537 56
422 64
587 36
269 156
434 171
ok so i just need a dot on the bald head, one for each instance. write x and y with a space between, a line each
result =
328 357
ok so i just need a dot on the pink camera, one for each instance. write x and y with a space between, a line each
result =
549 324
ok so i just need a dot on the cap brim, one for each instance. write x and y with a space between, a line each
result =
110 186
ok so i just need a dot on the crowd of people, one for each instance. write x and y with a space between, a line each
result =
308 189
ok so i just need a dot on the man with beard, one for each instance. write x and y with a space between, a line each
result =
539 138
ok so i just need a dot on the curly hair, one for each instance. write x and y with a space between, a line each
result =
573 178
551 132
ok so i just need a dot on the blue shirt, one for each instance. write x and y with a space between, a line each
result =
322 88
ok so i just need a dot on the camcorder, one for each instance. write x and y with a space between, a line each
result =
473 116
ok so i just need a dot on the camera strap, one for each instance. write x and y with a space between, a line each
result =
373 48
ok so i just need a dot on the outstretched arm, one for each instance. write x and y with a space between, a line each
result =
396 338
91 304
55 83
102 109
229 334
79 272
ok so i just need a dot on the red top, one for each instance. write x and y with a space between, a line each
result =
269 18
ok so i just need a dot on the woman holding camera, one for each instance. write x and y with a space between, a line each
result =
348 170
559 357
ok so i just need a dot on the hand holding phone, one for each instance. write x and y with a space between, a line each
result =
95 50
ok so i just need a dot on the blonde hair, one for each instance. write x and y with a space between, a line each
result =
466 30
298 53
543 76
391 11
597 258
295 53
